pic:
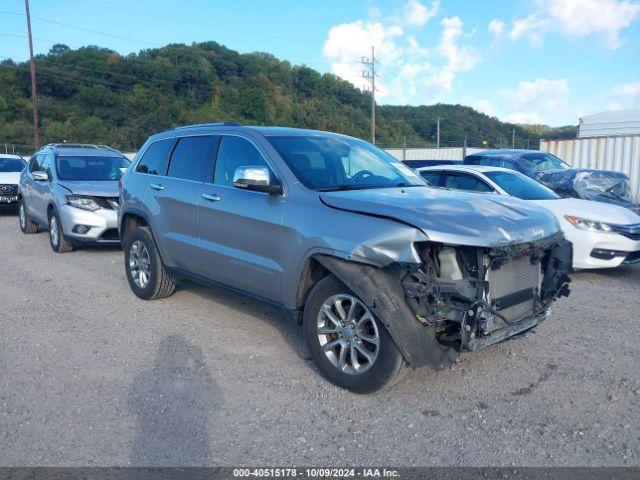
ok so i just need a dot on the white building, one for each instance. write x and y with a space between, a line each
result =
610 124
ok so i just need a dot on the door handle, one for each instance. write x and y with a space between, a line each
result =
212 197
157 186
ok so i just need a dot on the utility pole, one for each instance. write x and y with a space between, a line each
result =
370 75
438 133
513 139
36 129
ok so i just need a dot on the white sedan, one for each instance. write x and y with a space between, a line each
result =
603 235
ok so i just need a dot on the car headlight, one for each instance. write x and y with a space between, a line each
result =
589 225
84 203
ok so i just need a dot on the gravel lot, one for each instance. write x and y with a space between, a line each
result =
90 375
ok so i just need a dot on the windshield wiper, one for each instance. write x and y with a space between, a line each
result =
340 188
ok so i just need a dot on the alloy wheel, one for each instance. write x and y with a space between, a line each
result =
348 334
53 230
22 215
139 264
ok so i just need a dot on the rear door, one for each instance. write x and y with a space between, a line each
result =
174 199
241 230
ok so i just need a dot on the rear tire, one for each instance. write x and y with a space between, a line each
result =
27 226
146 273
355 333
59 243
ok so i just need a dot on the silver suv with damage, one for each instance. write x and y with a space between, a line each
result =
383 271
72 191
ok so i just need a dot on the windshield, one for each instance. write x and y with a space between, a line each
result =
544 161
330 163
9 165
520 186
91 168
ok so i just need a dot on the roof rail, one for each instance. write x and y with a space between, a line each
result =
72 145
212 124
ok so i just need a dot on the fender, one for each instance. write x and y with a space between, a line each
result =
381 290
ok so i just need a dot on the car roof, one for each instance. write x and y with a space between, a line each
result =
65 150
11 155
236 127
466 168
505 152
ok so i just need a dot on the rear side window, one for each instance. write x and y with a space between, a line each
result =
463 181
192 158
156 158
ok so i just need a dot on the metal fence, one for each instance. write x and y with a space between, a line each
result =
619 153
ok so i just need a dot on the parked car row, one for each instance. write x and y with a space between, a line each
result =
383 271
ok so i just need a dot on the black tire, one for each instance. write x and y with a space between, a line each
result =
59 243
27 226
160 282
385 371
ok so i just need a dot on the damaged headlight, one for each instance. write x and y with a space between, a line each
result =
589 225
84 203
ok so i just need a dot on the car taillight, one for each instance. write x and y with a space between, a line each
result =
120 184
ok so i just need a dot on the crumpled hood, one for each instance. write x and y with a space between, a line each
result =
604 186
9 178
92 189
481 220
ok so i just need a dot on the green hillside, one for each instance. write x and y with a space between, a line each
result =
96 95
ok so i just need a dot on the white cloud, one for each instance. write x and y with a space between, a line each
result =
457 58
484 106
496 27
409 72
624 96
577 18
532 101
416 14
347 43
524 117
531 28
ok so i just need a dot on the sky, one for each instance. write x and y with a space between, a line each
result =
535 61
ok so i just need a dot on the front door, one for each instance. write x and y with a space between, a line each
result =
241 231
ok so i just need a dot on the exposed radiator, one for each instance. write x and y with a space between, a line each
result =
513 277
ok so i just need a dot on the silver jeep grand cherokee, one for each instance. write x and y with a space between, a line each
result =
383 271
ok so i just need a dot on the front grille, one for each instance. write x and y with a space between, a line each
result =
629 231
512 287
9 190
110 203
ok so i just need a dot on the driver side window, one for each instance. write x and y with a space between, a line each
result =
34 164
236 152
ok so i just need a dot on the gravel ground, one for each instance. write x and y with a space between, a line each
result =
90 375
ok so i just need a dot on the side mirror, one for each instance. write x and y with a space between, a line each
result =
40 176
257 179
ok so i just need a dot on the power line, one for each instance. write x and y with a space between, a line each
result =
54 22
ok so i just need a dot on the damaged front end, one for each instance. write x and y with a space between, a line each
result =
460 298
475 297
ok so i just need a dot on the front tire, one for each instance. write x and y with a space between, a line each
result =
350 347
27 226
59 243
146 273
